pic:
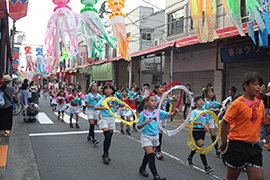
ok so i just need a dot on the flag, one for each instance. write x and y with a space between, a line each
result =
18 9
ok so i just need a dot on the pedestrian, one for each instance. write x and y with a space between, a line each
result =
201 126
107 122
150 134
74 108
212 105
6 119
186 101
266 124
24 92
92 115
124 112
61 102
34 90
145 90
244 119
30 111
83 96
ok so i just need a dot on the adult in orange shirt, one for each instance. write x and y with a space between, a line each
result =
245 117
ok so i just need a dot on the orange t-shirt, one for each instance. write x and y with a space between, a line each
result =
239 116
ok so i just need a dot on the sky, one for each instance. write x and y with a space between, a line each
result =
34 25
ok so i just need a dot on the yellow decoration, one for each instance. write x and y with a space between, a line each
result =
191 142
105 105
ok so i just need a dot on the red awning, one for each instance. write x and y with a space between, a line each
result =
3 8
222 33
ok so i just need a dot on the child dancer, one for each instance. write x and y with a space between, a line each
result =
125 112
61 101
51 92
107 121
244 118
149 134
73 109
215 107
132 104
83 96
201 125
93 115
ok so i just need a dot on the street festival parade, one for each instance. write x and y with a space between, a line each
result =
134 89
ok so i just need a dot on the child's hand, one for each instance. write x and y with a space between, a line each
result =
206 128
147 121
111 105
176 110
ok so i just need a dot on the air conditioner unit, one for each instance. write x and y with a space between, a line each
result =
156 42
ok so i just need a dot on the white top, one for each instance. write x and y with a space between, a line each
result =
56 85
34 88
50 84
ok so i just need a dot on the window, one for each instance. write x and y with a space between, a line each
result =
114 52
176 22
146 36
156 79
107 51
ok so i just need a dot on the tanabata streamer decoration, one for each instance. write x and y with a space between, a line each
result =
105 105
30 65
40 61
206 32
63 23
119 27
164 95
258 13
191 142
49 61
91 38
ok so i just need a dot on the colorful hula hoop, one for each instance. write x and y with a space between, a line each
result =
191 142
164 95
105 105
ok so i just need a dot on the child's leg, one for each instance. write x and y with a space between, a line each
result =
107 140
77 118
254 173
70 119
91 128
233 173
151 159
160 140
84 107
59 115
63 114
122 126
128 130
213 137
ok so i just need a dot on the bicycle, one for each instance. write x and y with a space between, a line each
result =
19 107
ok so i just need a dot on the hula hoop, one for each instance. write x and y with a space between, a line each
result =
181 94
105 105
173 132
191 142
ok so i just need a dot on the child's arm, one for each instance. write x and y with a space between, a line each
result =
143 124
223 133
99 108
88 105
206 127
174 112
174 99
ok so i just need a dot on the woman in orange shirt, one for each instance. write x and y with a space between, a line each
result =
245 116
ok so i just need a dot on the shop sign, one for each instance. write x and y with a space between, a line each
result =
149 67
244 52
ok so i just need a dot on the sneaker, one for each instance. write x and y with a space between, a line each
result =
208 169
143 172
77 126
84 113
105 159
122 131
71 125
189 161
128 131
89 139
159 155
95 141
157 177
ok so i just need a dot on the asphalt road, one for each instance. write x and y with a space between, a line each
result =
63 153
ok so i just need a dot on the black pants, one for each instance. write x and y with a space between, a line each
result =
6 119
185 110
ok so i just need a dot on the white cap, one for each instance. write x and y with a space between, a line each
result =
7 78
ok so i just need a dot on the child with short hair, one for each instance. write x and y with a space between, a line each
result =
201 126
31 111
74 108
150 134
61 101
244 119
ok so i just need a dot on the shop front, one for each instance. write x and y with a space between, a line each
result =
102 73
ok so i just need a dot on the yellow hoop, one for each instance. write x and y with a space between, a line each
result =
191 142
105 105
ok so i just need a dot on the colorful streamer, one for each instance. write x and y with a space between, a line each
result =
119 28
30 65
40 62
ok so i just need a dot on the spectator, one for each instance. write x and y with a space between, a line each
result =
34 90
146 90
6 110
24 92
186 101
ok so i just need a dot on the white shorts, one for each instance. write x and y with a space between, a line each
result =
73 110
92 114
60 108
147 140
212 124
163 122
107 122
126 113
83 103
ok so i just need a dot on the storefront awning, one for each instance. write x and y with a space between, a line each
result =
102 72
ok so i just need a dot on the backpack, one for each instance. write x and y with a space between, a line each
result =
31 110
2 100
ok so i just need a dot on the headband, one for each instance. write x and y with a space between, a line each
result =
150 94
91 84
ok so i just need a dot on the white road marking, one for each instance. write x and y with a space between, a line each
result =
44 119
181 161
64 133
66 118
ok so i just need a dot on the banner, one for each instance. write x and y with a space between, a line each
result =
15 60
18 9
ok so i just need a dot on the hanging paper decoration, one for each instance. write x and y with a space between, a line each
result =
119 28
258 13
64 23
15 60
49 61
206 32
91 38
40 61
63 57
30 66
